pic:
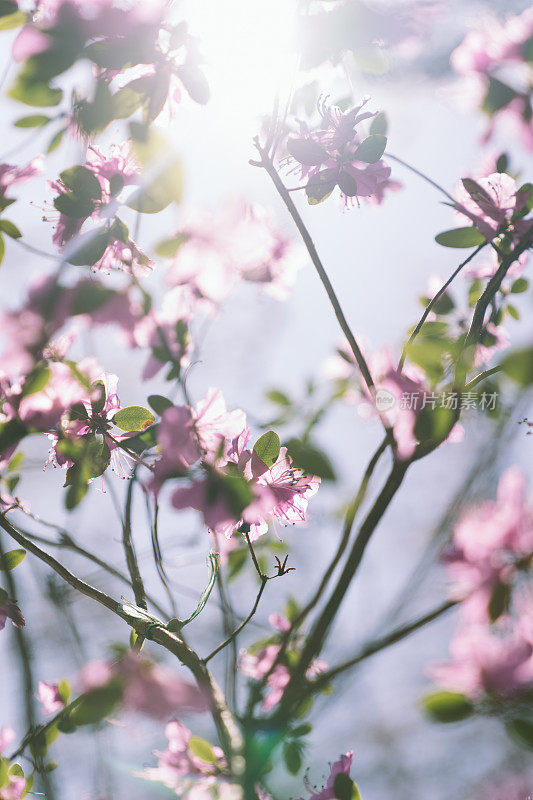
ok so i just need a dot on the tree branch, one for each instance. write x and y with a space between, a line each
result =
233 636
228 731
267 164
381 643
433 302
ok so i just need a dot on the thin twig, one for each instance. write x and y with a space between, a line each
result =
432 303
25 658
228 731
243 624
67 543
267 164
259 571
375 646
422 175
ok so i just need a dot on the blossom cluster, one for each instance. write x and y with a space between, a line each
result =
233 487
264 663
489 568
13 784
335 155
495 60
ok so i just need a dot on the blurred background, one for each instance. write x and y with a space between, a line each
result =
380 260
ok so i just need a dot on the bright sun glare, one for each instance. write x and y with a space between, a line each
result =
246 44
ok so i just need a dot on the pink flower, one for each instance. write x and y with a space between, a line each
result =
165 332
240 242
508 787
327 157
485 662
493 340
343 765
279 492
28 329
48 694
7 737
487 268
43 410
188 775
492 43
95 417
256 665
496 55
492 205
10 175
288 491
187 434
279 622
125 256
14 787
489 542
10 610
148 688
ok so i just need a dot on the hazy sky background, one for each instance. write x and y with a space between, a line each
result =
380 261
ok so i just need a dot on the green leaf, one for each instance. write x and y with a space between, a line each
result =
498 96
521 730
302 730
128 99
82 181
460 237
89 248
142 441
89 296
520 285
64 690
194 81
344 788
11 432
166 186
56 140
32 121
292 755
94 116
159 403
234 488
2 248
11 20
96 704
169 247
476 192
278 397
447 706
37 380
35 94
524 200
500 601
133 418
213 563
202 749
12 559
379 124
320 186
519 366
236 561
310 459
10 229
3 597
371 149
267 448
91 457
74 206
